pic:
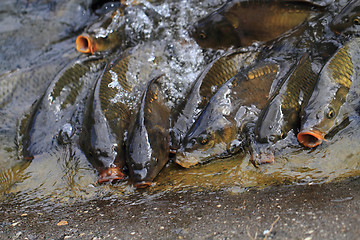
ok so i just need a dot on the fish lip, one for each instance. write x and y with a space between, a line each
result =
262 158
84 44
186 160
110 175
311 137
142 184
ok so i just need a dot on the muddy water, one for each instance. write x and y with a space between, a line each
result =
40 41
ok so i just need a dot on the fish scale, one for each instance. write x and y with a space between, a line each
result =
342 67
115 110
71 79
307 78
221 71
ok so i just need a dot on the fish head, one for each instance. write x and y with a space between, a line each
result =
147 155
271 125
149 140
348 20
322 115
206 140
214 31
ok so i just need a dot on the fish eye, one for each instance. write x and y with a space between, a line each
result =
356 21
202 35
203 140
282 135
330 113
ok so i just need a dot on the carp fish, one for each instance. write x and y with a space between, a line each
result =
210 80
348 20
216 132
107 34
148 141
282 111
239 23
335 97
106 121
57 117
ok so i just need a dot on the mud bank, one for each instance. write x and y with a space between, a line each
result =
321 211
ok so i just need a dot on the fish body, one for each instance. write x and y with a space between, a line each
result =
104 35
215 132
211 79
348 20
149 139
242 22
107 121
56 118
282 112
335 97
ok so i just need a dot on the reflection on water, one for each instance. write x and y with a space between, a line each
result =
65 175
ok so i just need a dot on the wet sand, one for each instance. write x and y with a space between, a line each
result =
319 211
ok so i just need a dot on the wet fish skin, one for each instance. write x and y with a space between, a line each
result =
106 122
213 76
242 22
215 133
104 35
335 97
59 106
282 112
149 139
348 20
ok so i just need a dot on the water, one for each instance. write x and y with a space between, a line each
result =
159 30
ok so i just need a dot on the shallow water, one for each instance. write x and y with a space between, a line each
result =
64 175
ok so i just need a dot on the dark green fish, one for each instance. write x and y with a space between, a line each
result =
282 112
241 22
107 120
216 132
56 117
208 82
335 97
348 20
104 35
149 139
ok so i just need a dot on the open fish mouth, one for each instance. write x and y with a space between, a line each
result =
111 175
310 138
142 184
84 44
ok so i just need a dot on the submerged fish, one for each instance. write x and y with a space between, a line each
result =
348 20
149 139
106 121
104 35
213 77
242 22
335 97
56 118
216 132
